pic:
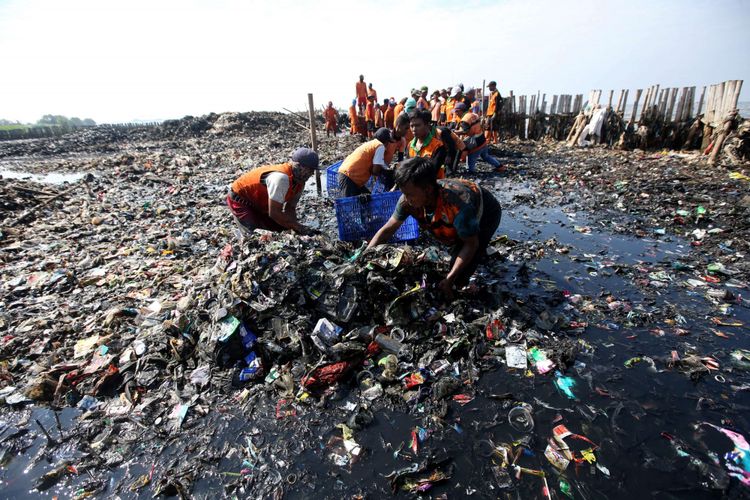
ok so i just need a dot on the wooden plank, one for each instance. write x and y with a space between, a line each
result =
611 93
670 106
699 110
314 140
544 103
553 108
633 114
681 105
737 90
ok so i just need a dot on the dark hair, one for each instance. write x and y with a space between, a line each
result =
402 119
418 171
421 114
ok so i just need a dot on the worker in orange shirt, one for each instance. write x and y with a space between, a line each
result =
435 107
493 113
353 129
372 92
361 93
476 143
379 116
401 134
370 116
389 114
399 107
440 145
331 117
266 197
364 162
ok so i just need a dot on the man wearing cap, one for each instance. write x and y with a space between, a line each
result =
455 97
364 162
493 112
389 114
266 197
470 128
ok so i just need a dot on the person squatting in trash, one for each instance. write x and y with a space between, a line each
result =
470 127
364 162
438 144
456 212
266 197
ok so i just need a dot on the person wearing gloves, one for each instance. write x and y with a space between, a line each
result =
456 212
266 197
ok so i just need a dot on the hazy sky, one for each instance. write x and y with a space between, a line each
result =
156 59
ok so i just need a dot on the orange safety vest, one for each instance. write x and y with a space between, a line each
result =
441 224
428 149
370 112
358 165
353 119
398 110
493 102
474 122
251 186
389 116
450 103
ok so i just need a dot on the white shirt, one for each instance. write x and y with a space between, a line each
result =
379 158
278 185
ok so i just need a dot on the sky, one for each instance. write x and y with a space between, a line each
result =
159 59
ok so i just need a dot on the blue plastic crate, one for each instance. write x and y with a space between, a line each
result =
332 182
360 217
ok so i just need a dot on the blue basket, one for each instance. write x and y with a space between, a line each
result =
360 217
332 182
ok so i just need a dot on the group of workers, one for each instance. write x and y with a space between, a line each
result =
457 212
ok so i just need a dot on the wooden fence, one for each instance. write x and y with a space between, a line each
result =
662 116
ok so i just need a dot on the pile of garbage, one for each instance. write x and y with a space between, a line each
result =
147 349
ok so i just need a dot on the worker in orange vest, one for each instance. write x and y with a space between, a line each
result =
441 145
470 127
380 114
266 197
399 107
372 92
370 116
361 93
364 162
493 113
455 212
389 114
353 128
331 117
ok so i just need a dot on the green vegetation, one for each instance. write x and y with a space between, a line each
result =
48 121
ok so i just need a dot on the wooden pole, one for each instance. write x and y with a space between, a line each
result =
625 101
672 98
481 103
681 105
635 105
611 93
700 103
314 139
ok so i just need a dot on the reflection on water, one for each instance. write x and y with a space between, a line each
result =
49 178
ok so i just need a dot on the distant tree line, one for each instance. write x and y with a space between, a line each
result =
64 121
54 121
